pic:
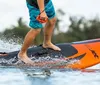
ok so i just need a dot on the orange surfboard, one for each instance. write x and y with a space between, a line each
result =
90 52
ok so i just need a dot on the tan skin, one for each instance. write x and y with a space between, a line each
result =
31 35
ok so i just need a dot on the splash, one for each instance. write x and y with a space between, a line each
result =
9 46
8 62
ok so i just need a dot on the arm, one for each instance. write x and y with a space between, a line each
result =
41 5
42 16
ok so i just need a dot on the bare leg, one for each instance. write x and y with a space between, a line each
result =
27 42
48 30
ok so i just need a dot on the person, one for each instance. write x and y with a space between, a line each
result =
44 9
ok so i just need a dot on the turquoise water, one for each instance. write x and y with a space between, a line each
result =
16 76
21 76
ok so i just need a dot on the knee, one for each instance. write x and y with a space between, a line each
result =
52 22
38 30
35 31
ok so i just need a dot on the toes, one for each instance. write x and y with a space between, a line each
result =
57 48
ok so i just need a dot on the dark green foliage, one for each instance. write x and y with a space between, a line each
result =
17 31
80 29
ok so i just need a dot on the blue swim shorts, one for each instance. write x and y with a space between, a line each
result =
34 12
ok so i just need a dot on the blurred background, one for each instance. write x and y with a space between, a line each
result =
76 20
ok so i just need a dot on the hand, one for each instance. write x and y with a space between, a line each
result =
42 18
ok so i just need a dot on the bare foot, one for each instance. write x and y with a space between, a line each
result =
25 58
52 46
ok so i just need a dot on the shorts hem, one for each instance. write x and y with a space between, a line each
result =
52 17
36 27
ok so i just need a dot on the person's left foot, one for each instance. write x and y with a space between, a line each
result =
52 46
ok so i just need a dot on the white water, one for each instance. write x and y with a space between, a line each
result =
6 46
16 76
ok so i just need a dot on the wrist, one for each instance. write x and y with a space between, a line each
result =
42 11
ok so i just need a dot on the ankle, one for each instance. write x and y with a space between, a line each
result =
47 43
22 53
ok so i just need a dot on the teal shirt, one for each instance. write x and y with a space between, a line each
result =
34 2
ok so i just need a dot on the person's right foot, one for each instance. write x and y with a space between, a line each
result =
25 59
